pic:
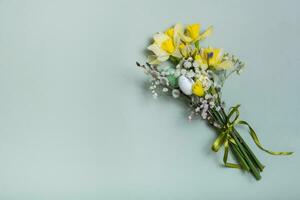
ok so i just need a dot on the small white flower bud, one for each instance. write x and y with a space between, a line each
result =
165 89
175 93
187 64
207 96
195 64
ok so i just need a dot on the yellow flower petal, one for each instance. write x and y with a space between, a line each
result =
197 57
193 31
224 65
168 46
181 46
179 34
198 89
184 50
170 32
206 33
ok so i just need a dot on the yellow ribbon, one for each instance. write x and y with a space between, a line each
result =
225 138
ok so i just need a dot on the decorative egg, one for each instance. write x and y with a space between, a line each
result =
185 84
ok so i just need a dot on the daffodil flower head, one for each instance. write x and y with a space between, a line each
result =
166 44
193 33
198 89
212 58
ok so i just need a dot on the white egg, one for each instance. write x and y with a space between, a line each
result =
185 84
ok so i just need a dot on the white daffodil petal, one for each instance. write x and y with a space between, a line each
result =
224 65
160 38
163 58
152 59
178 32
157 50
177 53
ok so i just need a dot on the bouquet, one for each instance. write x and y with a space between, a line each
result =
180 67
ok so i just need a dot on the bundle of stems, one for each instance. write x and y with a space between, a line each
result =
229 137
243 154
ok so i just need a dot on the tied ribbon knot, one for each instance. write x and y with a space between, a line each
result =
225 137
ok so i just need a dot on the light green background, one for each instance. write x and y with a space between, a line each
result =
77 122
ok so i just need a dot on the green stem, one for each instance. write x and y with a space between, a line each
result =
239 156
236 150
241 151
245 153
251 154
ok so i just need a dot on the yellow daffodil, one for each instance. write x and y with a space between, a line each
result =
165 45
160 54
175 42
198 89
213 58
170 32
193 33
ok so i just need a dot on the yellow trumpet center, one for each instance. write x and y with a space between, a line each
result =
193 31
198 89
168 46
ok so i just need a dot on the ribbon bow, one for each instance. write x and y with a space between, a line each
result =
225 138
